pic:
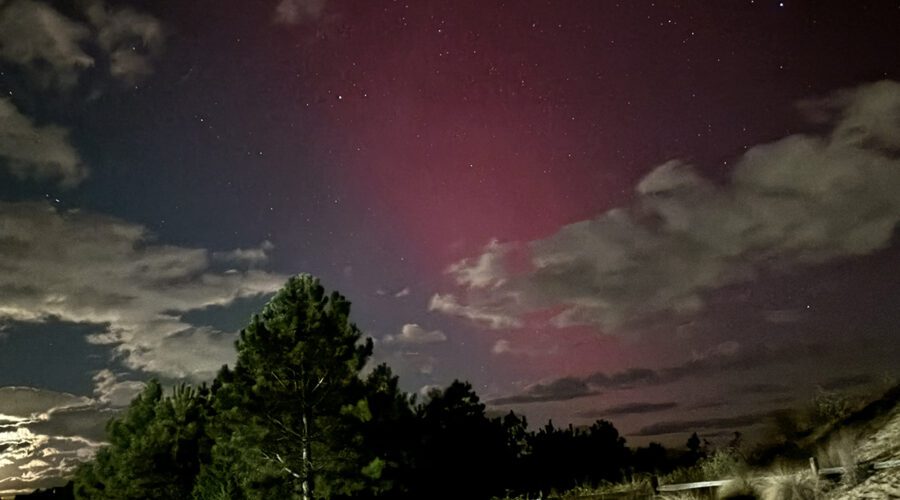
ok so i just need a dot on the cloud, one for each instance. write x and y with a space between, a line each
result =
485 314
762 388
412 333
298 11
46 434
719 423
55 48
109 390
27 402
48 44
37 152
129 38
426 390
800 201
503 346
486 270
403 292
562 389
781 316
849 382
628 409
248 256
86 267
725 356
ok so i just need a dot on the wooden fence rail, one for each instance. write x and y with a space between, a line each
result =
710 486
814 469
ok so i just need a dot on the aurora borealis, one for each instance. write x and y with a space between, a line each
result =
678 216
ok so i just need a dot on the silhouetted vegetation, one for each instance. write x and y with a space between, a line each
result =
296 418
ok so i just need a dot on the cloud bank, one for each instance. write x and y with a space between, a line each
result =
803 200
86 267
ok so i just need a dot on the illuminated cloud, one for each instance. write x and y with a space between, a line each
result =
803 200
412 333
491 316
86 267
45 435
248 256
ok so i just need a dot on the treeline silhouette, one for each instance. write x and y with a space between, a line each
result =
295 418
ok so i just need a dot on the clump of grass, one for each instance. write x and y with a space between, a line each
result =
841 452
724 463
741 487
790 485
638 484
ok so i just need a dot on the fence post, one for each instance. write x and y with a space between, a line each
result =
814 466
654 483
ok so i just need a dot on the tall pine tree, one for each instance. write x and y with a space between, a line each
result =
287 412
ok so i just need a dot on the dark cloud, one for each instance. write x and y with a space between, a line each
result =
724 357
706 405
802 200
37 37
761 388
629 409
53 50
52 46
131 39
719 423
562 389
849 382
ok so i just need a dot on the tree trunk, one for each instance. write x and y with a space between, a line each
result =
306 485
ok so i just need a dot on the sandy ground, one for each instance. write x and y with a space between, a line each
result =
882 445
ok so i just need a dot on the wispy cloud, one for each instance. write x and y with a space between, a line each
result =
628 409
717 423
491 316
849 382
30 151
37 37
298 11
725 356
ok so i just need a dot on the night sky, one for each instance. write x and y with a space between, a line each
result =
677 216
